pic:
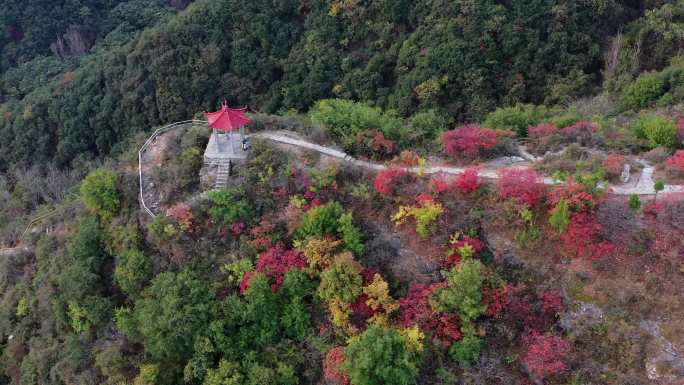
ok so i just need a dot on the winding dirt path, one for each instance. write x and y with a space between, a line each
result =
644 185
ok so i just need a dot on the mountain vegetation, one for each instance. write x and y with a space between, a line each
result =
527 267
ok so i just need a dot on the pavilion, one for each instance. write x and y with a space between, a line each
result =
227 141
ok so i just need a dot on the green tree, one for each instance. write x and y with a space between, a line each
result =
634 202
133 269
380 356
645 90
658 186
341 281
170 313
656 130
330 219
466 350
230 206
464 292
560 216
99 192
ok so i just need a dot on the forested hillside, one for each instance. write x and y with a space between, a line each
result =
438 192
461 58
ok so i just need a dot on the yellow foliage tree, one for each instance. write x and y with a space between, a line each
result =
414 339
380 301
319 253
339 317
424 215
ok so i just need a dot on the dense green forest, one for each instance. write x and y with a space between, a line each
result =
528 266
461 58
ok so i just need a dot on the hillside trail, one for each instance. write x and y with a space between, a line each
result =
643 186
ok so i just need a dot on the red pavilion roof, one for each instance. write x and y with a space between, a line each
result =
227 119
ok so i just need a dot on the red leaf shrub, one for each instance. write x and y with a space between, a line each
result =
574 194
244 282
181 213
581 237
468 182
468 140
415 308
613 165
552 304
520 185
496 301
332 366
237 228
541 130
447 327
545 355
583 128
455 258
275 262
521 311
424 198
383 146
676 161
386 181
409 158
439 185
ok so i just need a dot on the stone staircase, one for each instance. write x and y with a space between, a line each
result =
222 175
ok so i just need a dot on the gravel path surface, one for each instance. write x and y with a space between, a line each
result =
644 185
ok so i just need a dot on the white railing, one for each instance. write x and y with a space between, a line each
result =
144 147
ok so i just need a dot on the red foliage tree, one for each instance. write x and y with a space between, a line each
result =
385 182
383 146
448 327
439 185
613 164
545 355
455 258
581 239
520 185
244 282
237 228
574 194
552 304
332 366
676 161
275 263
583 128
468 140
496 301
181 213
541 130
468 182
415 308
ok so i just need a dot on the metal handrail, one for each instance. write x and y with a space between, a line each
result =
147 143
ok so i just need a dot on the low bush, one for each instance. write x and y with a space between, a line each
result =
517 118
658 131
676 162
331 219
346 119
643 92
230 206
613 165
522 186
386 181
468 141
426 126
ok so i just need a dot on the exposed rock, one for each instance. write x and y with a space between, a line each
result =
624 177
664 361
581 313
